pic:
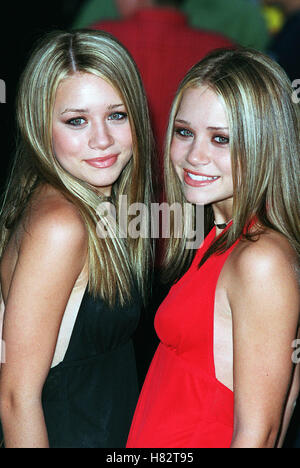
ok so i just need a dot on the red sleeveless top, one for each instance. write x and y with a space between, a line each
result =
182 404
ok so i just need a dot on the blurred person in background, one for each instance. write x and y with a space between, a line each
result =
285 45
240 20
92 10
274 18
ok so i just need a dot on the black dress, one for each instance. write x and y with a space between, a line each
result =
89 398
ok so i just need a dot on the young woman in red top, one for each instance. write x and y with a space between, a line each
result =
223 374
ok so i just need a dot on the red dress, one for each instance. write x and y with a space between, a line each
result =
182 404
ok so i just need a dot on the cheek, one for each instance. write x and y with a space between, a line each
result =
129 144
65 145
229 169
125 138
225 165
175 153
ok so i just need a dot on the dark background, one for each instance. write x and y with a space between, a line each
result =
22 23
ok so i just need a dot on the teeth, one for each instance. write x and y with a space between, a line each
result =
200 178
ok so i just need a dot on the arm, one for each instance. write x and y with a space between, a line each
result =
51 256
265 309
291 403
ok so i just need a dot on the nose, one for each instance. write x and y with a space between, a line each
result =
100 136
199 153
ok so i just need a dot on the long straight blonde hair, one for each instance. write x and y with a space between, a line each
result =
264 129
114 263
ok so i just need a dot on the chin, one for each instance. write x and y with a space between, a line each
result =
196 199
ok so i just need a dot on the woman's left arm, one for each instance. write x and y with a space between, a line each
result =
264 300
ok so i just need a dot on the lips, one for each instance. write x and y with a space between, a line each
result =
102 163
196 179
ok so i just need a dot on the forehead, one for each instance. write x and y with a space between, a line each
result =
87 87
202 104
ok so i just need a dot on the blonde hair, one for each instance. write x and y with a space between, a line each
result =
264 126
114 263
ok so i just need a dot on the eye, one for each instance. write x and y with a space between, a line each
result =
117 116
221 140
183 132
76 122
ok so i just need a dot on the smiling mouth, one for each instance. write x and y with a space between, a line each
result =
198 180
102 162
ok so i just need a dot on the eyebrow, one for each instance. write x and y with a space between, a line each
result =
185 122
217 128
86 111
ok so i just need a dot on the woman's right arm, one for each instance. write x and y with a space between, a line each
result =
51 256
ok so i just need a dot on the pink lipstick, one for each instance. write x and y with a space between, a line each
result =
102 163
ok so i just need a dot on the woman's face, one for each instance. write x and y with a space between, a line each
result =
92 138
200 148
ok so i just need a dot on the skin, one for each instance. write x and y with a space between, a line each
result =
90 121
204 151
257 297
127 8
47 252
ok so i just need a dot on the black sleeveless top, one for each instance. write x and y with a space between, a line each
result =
89 398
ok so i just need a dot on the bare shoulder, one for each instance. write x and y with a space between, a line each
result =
51 229
51 218
269 255
264 275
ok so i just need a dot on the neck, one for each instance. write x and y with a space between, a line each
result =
222 212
